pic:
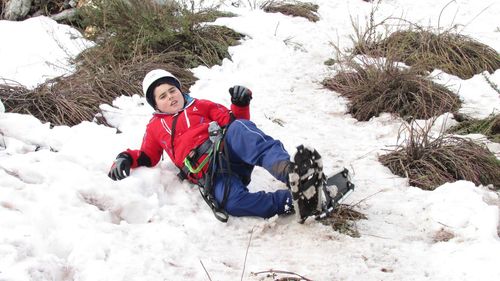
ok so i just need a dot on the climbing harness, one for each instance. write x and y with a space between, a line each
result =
215 152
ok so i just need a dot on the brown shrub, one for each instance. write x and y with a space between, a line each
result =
429 163
140 27
453 53
295 9
374 88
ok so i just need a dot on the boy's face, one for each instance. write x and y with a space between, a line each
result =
168 99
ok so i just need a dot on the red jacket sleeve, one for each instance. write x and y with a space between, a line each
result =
241 112
220 113
216 112
150 152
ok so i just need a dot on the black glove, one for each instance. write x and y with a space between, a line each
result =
121 167
240 95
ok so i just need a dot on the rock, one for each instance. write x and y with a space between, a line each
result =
17 9
64 15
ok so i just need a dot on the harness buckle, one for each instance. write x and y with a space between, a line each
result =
214 131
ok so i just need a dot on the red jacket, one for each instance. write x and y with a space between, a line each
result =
191 130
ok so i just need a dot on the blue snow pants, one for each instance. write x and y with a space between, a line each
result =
248 146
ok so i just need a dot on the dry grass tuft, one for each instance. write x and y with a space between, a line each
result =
429 163
48 103
490 127
133 27
125 78
374 88
76 98
453 53
343 220
295 9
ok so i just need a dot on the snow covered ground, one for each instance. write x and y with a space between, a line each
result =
62 218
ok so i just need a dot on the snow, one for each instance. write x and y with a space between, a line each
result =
42 49
62 218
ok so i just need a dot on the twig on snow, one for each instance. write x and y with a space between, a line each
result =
246 253
282 272
208 275
366 198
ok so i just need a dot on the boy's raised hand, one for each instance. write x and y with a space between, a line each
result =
240 95
121 167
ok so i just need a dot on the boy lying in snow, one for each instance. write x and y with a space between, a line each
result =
218 148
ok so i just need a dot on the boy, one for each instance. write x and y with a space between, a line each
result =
218 148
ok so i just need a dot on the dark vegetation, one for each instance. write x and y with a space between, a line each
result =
343 220
451 52
374 88
490 127
292 8
429 163
128 28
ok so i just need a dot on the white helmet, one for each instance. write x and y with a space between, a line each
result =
152 78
